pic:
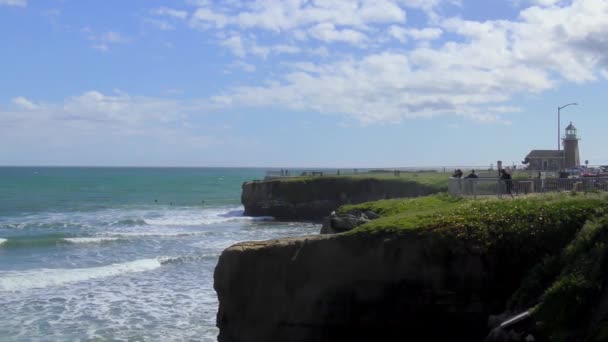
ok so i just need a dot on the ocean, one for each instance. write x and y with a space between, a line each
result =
119 254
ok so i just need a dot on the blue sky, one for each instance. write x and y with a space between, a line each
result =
334 83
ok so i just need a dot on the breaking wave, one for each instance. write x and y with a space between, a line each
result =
40 278
90 239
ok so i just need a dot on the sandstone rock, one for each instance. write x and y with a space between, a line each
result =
352 288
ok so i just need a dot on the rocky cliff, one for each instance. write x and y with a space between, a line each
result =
315 198
424 277
353 288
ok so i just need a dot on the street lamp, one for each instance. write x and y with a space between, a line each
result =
558 122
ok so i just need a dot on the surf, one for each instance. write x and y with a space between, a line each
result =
45 277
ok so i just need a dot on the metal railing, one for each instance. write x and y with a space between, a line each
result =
482 171
498 187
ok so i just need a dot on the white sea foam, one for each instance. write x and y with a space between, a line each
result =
186 258
161 234
203 217
2 241
38 278
90 239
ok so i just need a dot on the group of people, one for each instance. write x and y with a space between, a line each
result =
505 176
458 174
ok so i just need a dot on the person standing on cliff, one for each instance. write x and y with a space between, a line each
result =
471 175
507 179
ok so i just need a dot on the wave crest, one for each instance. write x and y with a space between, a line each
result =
165 260
40 278
90 239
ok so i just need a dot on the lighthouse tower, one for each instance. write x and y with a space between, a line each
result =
570 142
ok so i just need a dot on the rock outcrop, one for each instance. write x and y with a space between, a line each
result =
315 198
354 288
340 223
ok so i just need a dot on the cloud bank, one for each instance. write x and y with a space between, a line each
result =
394 71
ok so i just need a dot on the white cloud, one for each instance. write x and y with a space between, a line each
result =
204 18
429 33
114 37
287 49
291 15
327 32
241 47
16 3
159 24
104 41
234 44
387 87
108 118
244 66
472 76
398 33
24 103
170 12
545 2
402 34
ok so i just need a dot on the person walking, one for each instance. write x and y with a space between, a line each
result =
507 180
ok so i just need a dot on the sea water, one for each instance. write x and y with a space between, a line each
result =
96 254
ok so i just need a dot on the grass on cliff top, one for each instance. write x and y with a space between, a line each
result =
556 243
398 214
439 180
444 211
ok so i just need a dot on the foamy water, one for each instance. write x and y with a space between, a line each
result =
136 273
90 239
38 278
119 254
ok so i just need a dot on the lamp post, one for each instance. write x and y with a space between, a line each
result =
558 122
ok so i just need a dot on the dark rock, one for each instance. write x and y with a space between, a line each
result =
353 288
372 215
326 227
347 222
314 199
342 223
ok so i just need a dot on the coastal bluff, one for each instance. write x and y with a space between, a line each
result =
353 288
313 198
434 268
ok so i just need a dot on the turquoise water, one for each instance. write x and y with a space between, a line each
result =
119 253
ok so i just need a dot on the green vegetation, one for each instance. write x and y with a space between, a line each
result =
398 214
580 283
558 245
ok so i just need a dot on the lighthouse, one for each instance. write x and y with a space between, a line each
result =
570 143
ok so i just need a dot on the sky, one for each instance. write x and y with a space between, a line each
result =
299 83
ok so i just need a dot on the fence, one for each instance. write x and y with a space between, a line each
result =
498 187
482 171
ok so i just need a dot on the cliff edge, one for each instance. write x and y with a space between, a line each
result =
312 198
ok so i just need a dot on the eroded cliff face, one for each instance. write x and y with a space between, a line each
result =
315 198
354 288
